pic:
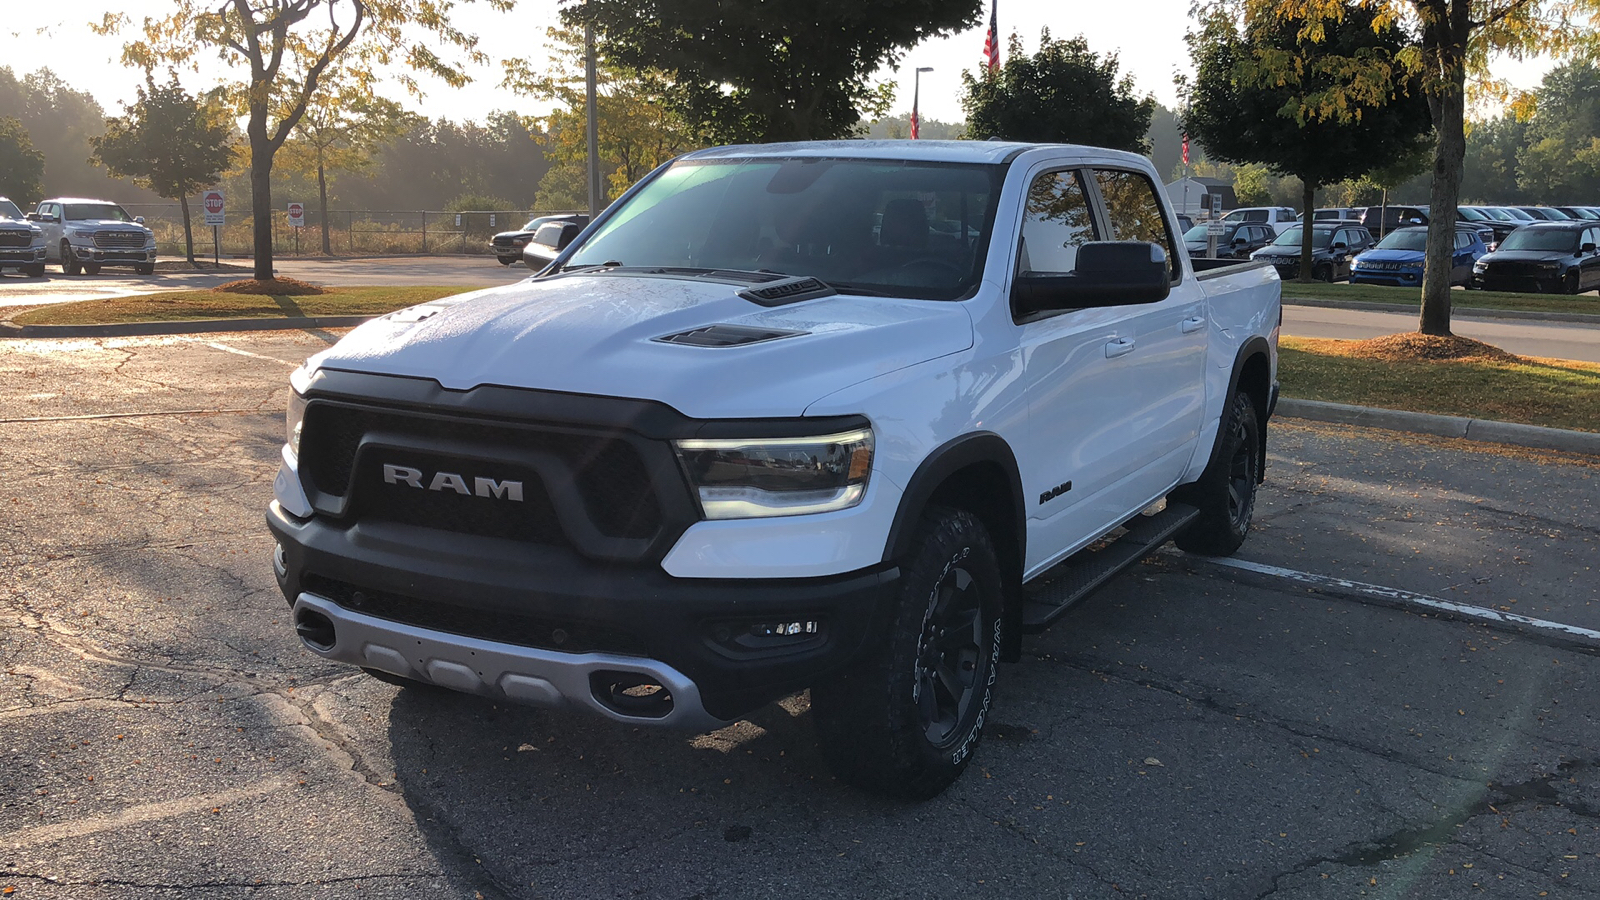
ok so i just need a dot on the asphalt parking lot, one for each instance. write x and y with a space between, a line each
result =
1193 730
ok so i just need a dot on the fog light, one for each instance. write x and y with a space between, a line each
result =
743 638
783 629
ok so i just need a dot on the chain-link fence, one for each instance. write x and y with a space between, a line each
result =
351 232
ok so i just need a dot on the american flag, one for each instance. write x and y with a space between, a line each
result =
1186 148
991 41
914 124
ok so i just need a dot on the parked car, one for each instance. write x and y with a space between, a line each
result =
1544 257
83 235
1486 218
1380 220
1333 245
1546 213
1237 242
1184 223
1335 214
730 447
1579 212
1274 216
1398 258
21 241
507 245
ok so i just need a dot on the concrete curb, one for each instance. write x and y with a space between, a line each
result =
133 329
1465 312
1532 436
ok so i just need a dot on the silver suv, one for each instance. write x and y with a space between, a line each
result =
83 235
21 241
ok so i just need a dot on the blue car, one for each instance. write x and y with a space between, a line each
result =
1397 260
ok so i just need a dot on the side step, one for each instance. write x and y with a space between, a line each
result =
1054 592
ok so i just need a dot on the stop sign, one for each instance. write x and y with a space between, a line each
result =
213 202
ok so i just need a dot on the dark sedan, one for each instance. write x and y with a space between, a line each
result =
1332 247
1237 241
1545 257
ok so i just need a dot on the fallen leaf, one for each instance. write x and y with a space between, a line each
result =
1152 761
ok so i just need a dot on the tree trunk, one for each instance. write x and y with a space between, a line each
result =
322 193
188 229
261 152
1310 199
1446 88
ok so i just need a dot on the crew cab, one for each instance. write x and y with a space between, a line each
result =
83 235
846 416
21 241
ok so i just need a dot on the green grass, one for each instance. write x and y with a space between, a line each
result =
190 305
1411 299
1550 392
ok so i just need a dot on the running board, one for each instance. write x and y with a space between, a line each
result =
1045 598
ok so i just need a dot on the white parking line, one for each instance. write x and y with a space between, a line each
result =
226 349
135 815
1406 598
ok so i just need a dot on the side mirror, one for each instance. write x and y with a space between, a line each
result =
33 217
1340 245
1586 248
548 242
138 220
1238 242
1108 273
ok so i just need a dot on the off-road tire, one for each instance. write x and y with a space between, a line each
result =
91 268
895 723
1226 491
69 263
34 271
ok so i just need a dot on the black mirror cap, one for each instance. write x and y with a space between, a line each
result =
1587 247
1340 245
556 235
1108 273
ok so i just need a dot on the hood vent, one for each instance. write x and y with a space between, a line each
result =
726 336
789 290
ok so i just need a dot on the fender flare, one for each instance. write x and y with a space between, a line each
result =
1254 346
945 460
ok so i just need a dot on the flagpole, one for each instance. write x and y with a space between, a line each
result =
916 93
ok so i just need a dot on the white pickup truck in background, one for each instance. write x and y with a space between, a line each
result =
847 416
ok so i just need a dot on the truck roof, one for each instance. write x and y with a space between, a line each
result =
77 200
916 151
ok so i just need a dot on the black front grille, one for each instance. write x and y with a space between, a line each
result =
1519 270
10 238
506 242
612 479
119 240
505 627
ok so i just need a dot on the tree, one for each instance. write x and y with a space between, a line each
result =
1064 93
1561 159
1257 91
751 71
1494 153
169 142
1456 38
289 47
21 166
342 125
639 127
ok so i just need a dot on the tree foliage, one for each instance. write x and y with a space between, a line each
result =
1064 93
1562 155
639 128
1266 93
21 166
1455 41
60 121
287 48
169 142
751 71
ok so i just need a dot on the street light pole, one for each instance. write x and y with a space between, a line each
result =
916 92
591 120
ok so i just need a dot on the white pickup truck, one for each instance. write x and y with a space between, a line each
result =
848 416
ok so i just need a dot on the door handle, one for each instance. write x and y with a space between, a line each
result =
1119 347
1193 324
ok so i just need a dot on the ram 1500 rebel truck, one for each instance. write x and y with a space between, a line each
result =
846 416
83 235
21 241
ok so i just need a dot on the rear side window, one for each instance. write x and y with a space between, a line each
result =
1133 210
1056 225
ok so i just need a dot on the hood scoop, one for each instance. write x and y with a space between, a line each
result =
788 290
727 336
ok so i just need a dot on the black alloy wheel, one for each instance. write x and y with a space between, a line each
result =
1225 493
948 657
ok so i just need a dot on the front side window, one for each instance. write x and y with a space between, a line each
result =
1133 212
906 229
1056 224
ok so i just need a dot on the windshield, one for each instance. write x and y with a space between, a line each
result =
1320 238
1406 239
1519 215
1498 214
1470 214
8 210
96 211
1197 234
1564 240
879 226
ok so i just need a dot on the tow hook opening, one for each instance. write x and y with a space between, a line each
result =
631 694
315 629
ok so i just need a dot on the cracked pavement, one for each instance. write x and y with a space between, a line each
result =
1189 731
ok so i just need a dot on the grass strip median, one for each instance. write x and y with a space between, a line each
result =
1555 393
178 306
1410 298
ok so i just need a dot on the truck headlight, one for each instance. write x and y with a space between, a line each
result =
1481 266
758 477
82 237
299 381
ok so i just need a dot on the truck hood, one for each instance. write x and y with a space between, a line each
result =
599 334
1414 257
107 225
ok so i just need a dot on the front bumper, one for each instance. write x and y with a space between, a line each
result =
1397 277
98 255
22 256
1552 284
470 613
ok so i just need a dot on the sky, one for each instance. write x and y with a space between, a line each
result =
1146 35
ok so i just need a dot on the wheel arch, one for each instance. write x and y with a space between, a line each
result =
1252 373
978 473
